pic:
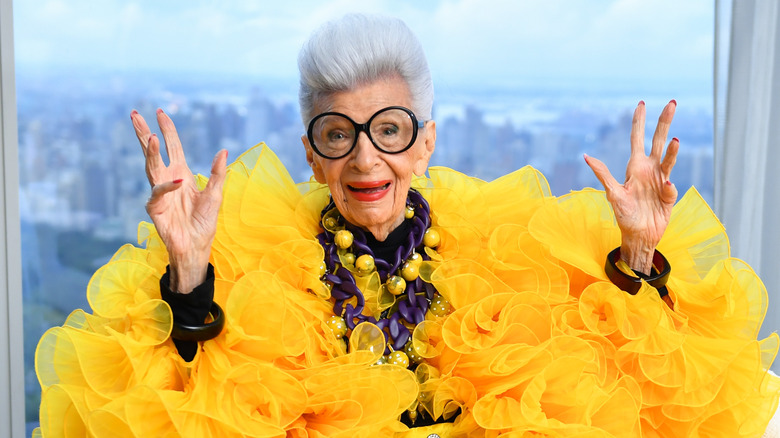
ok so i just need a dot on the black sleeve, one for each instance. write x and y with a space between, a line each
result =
188 309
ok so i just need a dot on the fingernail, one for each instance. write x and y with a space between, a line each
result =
676 139
673 101
585 156
668 183
134 112
177 181
641 102
159 111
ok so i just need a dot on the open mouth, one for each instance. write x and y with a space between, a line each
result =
370 189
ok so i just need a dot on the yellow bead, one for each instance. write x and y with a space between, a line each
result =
398 358
410 271
409 212
413 416
396 285
344 239
440 306
323 268
431 238
365 264
348 259
415 258
411 353
331 223
337 325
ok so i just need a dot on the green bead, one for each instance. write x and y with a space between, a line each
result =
398 358
348 259
440 306
331 222
323 269
411 353
337 325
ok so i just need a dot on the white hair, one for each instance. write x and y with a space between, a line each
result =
359 49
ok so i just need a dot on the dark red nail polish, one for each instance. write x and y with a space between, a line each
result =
676 139
134 112
673 101
177 181
668 183
159 111
641 102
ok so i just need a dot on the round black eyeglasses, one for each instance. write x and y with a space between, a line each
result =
392 130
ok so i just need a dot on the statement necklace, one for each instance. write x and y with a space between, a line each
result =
407 298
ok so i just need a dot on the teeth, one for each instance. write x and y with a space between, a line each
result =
369 189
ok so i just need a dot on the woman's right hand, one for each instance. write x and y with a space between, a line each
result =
185 218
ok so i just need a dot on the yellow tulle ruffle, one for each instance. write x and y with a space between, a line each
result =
539 342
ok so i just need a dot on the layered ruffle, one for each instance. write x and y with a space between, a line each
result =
539 342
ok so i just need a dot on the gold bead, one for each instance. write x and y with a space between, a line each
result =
411 353
415 258
440 306
348 259
365 264
431 238
409 271
398 358
323 268
337 325
330 222
409 212
396 285
344 239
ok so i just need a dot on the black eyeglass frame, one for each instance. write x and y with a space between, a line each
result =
363 127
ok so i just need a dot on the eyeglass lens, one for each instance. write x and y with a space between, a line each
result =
391 130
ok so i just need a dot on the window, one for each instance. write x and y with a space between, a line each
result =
517 83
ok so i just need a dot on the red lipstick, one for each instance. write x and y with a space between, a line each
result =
368 191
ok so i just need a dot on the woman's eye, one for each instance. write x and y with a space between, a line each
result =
389 130
336 136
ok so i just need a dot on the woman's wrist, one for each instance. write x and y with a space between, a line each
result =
638 256
187 272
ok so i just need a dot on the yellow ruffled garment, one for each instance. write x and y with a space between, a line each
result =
539 342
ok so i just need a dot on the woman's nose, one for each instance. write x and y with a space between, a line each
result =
365 156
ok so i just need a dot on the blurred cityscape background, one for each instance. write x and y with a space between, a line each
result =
82 181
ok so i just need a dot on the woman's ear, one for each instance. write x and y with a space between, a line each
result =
313 159
420 165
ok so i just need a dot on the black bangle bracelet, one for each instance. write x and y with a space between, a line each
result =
659 274
202 332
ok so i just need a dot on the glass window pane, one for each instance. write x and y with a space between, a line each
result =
517 83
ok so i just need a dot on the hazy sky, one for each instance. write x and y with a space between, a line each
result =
493 41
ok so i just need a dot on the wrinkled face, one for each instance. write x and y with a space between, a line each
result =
369 186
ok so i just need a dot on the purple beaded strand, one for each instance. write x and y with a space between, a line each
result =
411 307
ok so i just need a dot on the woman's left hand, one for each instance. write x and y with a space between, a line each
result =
643 203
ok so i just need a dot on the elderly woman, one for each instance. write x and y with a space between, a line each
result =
377 301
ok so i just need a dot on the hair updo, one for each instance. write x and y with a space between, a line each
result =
359 49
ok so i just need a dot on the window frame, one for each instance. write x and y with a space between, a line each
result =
12 404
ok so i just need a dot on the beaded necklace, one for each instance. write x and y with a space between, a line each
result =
347 255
